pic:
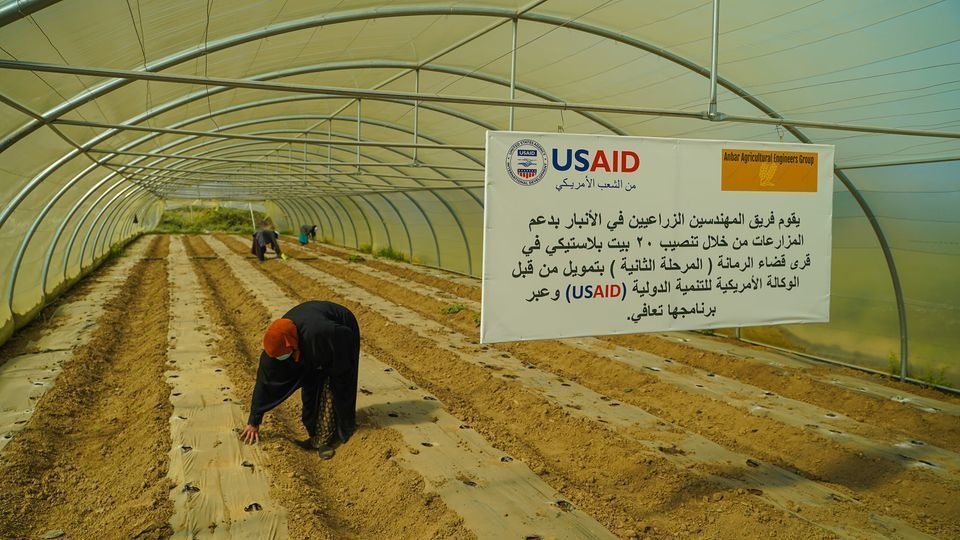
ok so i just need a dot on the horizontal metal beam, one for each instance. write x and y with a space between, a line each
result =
281 177
842 127
896 163
18 9
281 162
410 97
413 97
190 193
224 135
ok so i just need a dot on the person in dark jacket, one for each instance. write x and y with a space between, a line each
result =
307 232
314 347
261 239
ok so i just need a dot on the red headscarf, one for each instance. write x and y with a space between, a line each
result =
281 338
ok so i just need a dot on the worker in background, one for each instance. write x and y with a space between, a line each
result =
314 347
306 233
261 239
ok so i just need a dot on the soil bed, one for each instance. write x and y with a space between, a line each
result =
361 493
606 473
91 461
923 499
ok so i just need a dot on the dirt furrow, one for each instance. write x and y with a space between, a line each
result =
609 474
362 492
931 506
222 485
92 461
31 361
822 426
811 385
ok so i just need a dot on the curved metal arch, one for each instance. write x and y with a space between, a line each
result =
76 231
288 215
261 33
110 223
323 211
426 215
353 225
25 241
315 212
386 200
299 210
769 111
376 211
413 200
347 137
215 46
356 15
93 224
301 70
373 206
14 11
406 228
333 229
56 238
414 66
286 211
4 215
107 219
129 228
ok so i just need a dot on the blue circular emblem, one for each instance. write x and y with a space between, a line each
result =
526 162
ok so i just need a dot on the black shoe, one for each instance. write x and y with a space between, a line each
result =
305 444
325 452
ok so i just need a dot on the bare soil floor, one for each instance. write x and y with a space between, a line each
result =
92 459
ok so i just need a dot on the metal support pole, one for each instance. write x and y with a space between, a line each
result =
76 231
714 55
110 224
359 104
513 73
416 113
93 225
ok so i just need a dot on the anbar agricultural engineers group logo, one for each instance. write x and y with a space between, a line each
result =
526 162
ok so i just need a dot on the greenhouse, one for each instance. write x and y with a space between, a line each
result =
142 143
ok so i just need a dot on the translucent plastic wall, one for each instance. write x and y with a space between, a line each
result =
916 206
60 230
440 229
129 114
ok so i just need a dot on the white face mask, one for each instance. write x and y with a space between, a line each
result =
284 356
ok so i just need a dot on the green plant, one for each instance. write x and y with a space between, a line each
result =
115 251
453 308
893 364
355 258
936 377
389 253
202 220
365 248
476 320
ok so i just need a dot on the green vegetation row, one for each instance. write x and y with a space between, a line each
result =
204 220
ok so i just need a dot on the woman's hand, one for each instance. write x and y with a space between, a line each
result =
250 434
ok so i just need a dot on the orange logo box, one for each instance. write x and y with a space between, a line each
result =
768 170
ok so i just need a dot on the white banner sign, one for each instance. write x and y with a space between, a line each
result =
592 235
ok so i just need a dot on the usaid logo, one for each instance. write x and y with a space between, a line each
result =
526 162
